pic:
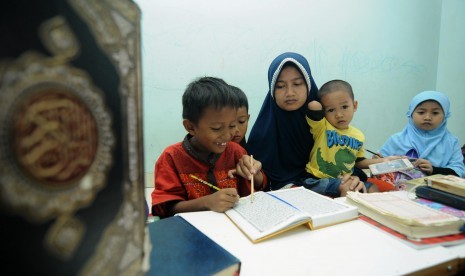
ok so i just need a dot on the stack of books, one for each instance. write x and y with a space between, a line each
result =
405 216
445 189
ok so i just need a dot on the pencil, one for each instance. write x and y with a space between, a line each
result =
251 181
372 152
204 182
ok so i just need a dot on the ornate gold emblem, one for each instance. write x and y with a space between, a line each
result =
56 133
55 137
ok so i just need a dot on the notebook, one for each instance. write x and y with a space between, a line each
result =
178 248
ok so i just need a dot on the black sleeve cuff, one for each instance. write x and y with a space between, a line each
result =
315 115
445 171
359 159
360 173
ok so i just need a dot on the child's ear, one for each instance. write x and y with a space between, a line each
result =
189 126
355 105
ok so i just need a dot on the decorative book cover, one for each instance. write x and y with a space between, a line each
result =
441 207
441 197
71 166
178 248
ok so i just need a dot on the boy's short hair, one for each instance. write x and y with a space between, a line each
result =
206 92
335 85
243 102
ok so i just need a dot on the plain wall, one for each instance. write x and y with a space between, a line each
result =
389 50
451 63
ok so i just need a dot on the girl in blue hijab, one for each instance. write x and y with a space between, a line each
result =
427 138
281 138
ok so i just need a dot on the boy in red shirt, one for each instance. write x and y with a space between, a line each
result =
205 155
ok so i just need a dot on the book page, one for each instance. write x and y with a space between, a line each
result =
323 210
265 216
276 211
265 212
310 202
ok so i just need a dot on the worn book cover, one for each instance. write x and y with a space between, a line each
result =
423 243
71 166
178 248
404 215
390 166
448 183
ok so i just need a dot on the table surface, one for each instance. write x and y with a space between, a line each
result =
353 247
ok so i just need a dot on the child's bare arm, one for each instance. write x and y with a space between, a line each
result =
219 201
366 162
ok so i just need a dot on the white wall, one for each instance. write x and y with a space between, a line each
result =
451 63
389 50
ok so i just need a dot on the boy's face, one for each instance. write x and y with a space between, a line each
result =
339 108
290 91
428 115
242 124
214 129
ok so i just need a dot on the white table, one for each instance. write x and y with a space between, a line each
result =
351 248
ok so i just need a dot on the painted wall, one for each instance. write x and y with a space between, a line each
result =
389 50
451 63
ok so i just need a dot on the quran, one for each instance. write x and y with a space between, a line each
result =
404 215
390 166
447 183
272 213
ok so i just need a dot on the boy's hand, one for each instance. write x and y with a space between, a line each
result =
351 183
222 200
314 105
245 169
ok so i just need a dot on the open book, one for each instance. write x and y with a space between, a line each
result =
275 212
390 166
404 215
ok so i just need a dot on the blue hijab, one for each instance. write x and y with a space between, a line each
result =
438 146
281 139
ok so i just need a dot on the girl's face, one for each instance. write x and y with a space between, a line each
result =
291 89
428 115
242 124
